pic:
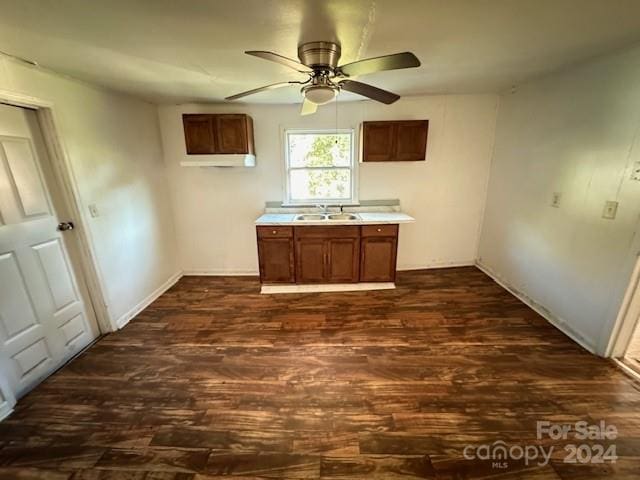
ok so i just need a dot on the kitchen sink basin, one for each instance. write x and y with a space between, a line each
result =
321 217
342 216
311 217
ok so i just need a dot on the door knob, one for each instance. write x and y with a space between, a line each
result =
64 226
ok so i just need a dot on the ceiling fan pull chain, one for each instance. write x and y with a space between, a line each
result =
338 93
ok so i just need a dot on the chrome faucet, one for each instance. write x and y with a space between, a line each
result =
323 208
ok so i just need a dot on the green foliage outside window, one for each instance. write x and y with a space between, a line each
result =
320 166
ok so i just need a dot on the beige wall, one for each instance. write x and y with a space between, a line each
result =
114 147
215 208
574 132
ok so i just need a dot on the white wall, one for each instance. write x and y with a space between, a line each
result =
574 132
215 208
114 146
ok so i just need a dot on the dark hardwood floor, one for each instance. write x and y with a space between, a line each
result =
214 380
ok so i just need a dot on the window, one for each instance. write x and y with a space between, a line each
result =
320 166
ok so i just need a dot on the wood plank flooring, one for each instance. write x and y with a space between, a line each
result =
215 380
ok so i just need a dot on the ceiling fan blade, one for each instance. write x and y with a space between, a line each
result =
308 108
274 57
261 89
369 91
380 64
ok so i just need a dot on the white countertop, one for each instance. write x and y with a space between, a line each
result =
364 218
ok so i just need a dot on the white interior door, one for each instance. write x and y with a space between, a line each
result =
44 319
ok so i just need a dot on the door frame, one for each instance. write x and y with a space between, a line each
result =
69 194
628 318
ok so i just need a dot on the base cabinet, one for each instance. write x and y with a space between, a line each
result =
275 255
327 254
331 254
311 255
343 260
378 254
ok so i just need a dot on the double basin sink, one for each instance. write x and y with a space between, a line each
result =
321 217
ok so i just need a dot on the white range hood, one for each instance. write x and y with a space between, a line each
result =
221 160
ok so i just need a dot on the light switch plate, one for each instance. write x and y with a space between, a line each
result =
555 199
93 210
610 209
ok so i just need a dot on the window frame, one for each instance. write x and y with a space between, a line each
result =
353 167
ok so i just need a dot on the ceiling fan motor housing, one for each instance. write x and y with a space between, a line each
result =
320 54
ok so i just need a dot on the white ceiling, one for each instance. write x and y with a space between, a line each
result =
171 51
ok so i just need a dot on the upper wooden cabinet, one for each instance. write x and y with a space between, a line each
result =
411 140
218 134
394 141
199 134
378 141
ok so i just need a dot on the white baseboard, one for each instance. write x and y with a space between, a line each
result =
446 264
5 414
126 318
221 272
630 372
327 287
554 320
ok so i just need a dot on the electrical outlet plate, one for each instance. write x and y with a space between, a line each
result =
93 210
610 209
555 199
635 172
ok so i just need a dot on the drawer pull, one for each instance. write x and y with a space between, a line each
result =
379 229
274 232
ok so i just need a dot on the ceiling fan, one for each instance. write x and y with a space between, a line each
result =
319 60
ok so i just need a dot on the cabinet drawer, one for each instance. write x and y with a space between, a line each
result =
275 232
379 230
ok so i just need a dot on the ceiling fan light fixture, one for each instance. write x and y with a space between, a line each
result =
319 94
326 78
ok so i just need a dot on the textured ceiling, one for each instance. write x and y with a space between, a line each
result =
170 51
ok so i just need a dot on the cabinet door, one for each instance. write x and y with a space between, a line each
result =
378 253
199 134
231 133
276 260
311 260
378 141
343 255
411 140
